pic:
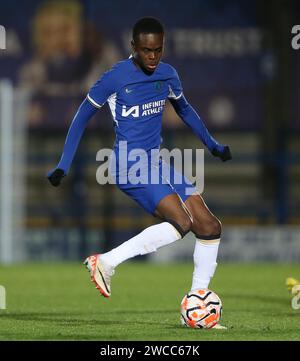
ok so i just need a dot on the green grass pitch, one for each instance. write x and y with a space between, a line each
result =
58 302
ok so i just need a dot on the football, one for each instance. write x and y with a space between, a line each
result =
201 309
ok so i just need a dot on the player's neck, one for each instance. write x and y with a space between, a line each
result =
139 67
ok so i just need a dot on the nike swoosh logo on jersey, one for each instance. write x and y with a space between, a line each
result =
128 90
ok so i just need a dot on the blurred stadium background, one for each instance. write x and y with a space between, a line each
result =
238 70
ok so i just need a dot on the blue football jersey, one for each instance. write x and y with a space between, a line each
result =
136 101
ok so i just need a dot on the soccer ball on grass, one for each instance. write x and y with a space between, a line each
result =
201 309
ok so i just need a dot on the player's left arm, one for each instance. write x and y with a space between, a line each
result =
190 117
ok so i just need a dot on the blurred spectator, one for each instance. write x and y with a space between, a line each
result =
68 56
103 51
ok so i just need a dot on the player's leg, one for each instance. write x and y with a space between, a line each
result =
205 226
172 209
176 224
207 229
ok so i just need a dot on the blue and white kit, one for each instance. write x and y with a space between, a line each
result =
136 102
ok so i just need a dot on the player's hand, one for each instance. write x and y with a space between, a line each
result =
55 176
223 152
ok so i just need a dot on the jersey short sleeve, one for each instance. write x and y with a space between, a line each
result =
175 87
102 89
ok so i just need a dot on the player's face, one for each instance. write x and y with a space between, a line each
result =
147 51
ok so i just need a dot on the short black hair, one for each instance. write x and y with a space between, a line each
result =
147 25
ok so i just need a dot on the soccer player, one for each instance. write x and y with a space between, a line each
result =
143 82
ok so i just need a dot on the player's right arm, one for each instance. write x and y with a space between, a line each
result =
96 97
78 125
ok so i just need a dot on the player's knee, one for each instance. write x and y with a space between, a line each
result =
215 226
186 224
211 229
183 224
